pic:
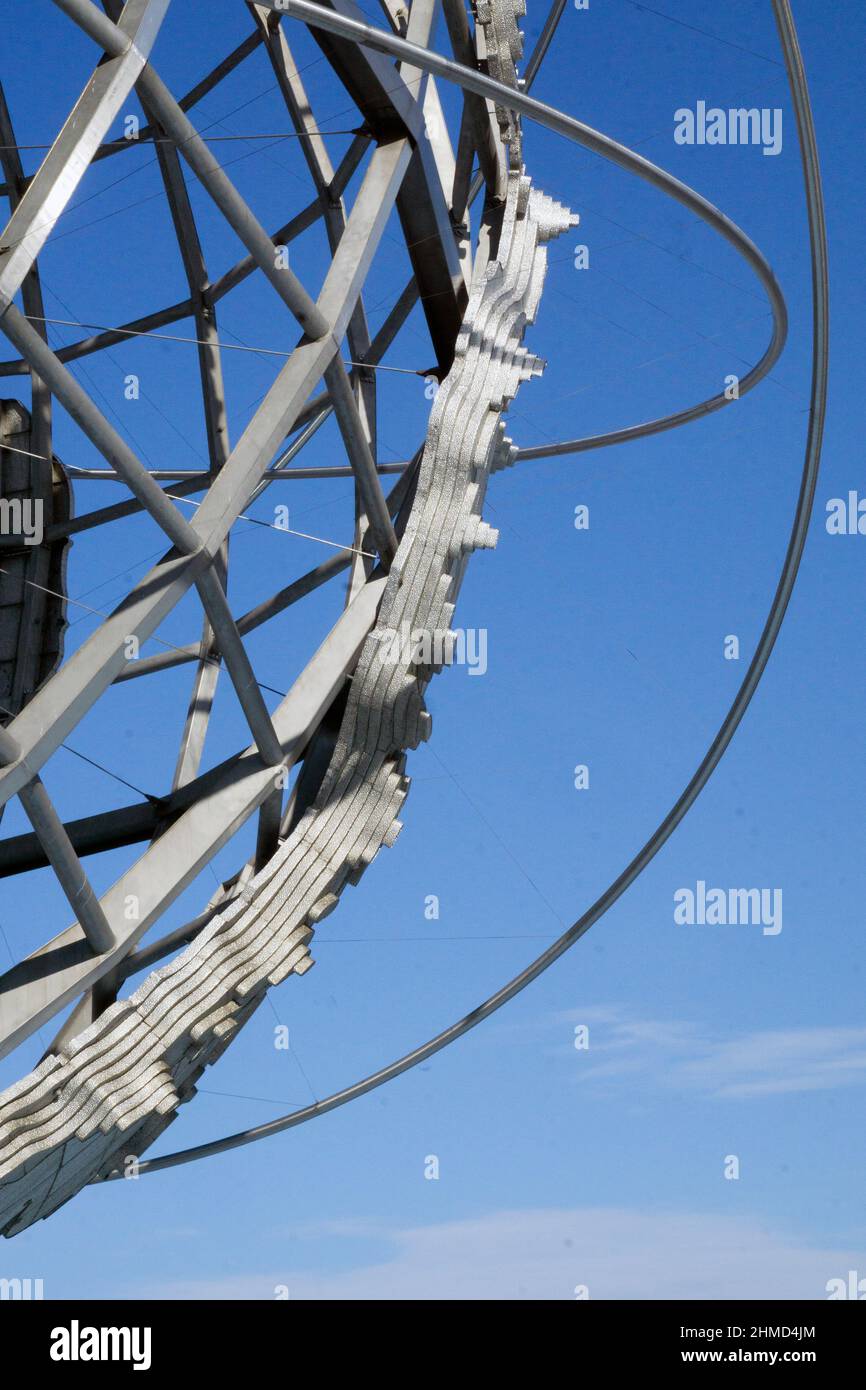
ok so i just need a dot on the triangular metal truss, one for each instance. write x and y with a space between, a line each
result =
117 1071
128 1062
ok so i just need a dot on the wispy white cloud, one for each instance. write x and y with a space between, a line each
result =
546 1254
686 1057
770 1063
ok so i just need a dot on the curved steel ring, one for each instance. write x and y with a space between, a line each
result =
820 357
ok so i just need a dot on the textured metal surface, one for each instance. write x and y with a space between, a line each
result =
214 807
809 475
113 1089
108 1092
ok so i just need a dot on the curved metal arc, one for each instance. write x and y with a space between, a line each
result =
820 329
109 33
368 36
578 132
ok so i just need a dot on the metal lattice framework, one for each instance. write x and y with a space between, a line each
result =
119 1067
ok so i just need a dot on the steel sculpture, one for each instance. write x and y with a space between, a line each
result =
120 1066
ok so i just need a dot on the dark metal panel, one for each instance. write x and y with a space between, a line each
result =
391 110
31 636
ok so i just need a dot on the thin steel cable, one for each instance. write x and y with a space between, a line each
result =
151 162
166 140
775 617
93 763
253 520
100 613
582 134
706 33
200 342
287 530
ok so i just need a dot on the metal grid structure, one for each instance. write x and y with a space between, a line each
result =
119 1067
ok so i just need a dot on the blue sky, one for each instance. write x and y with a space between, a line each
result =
558 1167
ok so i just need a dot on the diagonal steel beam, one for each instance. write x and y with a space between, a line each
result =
369 484
480 117
52 835
124 825
268 608
39 986
100 515
57 708
216 428
63 167
130 824
31 288
359 242
40 465
386 96
358 427
194 95
234 653
207 169
105 437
